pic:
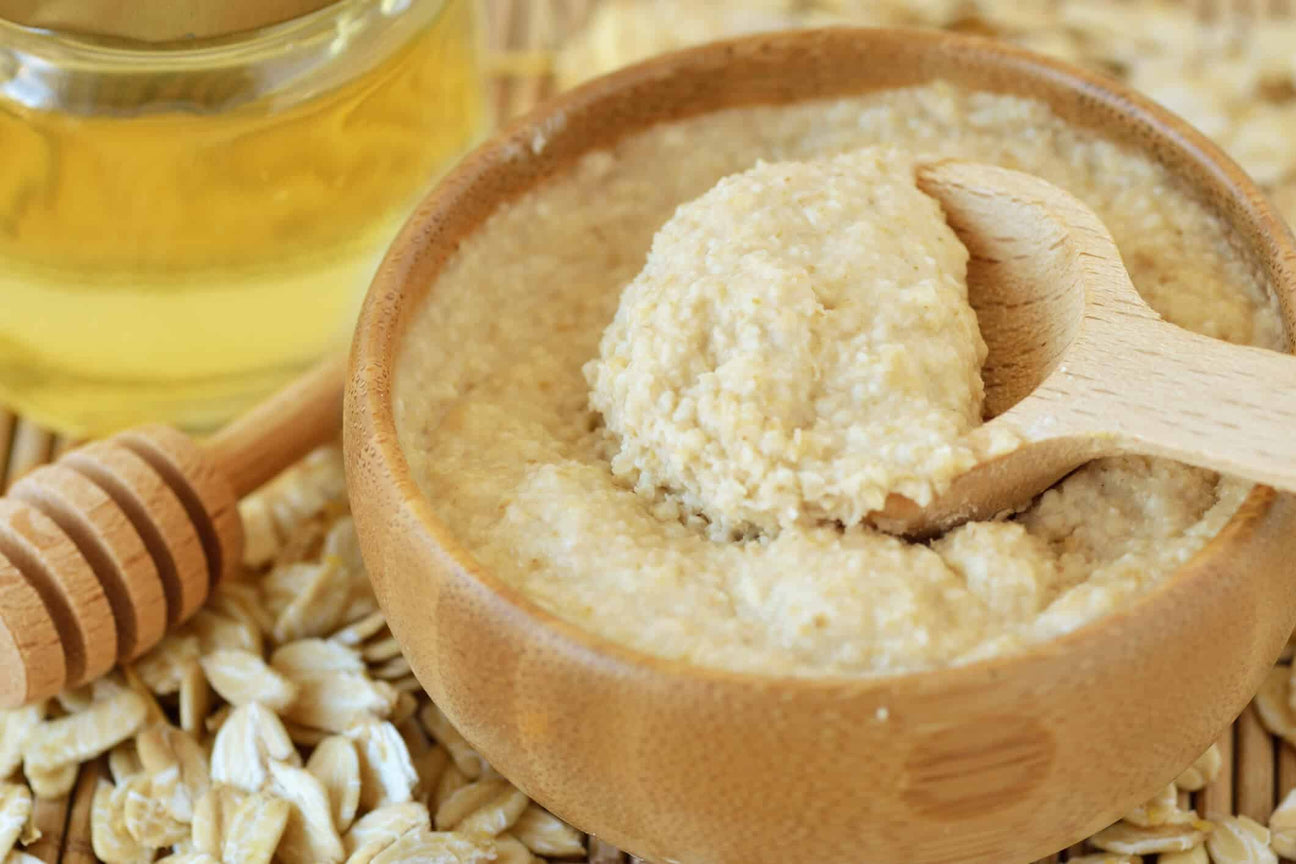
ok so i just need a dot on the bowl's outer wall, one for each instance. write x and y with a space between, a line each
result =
1001 761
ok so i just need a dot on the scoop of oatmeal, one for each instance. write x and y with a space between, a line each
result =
798 345
496 423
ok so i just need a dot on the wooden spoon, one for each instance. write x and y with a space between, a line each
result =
104 550
1079 365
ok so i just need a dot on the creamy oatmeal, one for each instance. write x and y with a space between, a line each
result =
502 428
798 345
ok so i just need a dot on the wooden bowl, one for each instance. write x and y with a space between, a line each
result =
1001 761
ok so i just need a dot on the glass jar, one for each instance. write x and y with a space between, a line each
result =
187 224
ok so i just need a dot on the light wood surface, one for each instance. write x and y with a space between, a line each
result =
78 846
513 92
1004 760
257 446
103 550
1254 787
1080 366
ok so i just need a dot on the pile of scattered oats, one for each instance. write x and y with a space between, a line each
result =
280 723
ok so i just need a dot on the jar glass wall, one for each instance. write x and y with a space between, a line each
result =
184 226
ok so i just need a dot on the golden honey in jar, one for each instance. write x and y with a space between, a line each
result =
186 224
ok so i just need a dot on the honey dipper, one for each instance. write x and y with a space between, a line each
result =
106 549
1080 367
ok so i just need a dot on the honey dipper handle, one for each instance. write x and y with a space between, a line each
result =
1166 391
282 429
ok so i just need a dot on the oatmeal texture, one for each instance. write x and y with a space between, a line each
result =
506 446
798 345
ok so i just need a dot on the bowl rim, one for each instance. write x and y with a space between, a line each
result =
371 435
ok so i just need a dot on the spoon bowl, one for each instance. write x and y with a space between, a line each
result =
1003 760
1079 366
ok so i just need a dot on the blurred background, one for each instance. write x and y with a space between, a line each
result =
194 195
1227 67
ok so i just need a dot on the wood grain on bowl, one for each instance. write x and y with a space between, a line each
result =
673 762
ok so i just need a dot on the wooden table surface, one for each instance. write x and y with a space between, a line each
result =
1258 768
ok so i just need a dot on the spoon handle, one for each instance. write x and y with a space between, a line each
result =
1166 391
